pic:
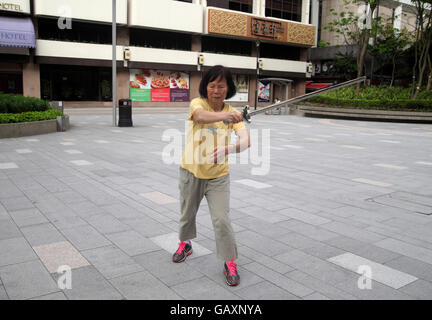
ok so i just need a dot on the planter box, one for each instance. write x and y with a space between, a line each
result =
23 129
63 123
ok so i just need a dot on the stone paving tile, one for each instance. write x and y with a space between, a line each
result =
169 242
111 262
265 291
308 230
132 242
316 296
303 216
281 281
52 296
159 198
213 268
273 231
419 289
8 229
417 268
89 284
15 250
85 237
319 286
160 265
42 234
59 254
61 221
379 272
377 292
204 289
146 226
105 223
3 294
315 267
408 250
16 204
262 244
28 217
143 286
27 280
352 232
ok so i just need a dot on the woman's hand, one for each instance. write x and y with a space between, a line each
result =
218 155
233 117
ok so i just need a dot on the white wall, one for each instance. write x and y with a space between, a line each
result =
284 65
92 10
166 14
163 56
230 61
61 49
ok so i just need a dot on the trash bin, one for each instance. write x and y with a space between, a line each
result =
125 113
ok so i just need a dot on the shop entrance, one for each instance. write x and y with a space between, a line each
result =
11 83
281 91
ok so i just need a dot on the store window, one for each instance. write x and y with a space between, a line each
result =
284 9
160 39
11 83
237 5
226 46
241 5
276 51
48 29
75 83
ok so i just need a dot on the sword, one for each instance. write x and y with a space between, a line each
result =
247 114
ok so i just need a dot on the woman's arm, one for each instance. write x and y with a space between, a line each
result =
202 116
219 153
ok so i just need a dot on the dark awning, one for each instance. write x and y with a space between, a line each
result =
17 32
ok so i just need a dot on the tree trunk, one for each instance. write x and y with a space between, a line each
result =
429 83
365 42
393 71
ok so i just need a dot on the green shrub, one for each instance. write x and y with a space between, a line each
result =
29 116
376 97
10 103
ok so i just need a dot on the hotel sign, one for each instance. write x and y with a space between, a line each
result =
235 24
20 6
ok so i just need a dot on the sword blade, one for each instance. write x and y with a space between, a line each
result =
307 96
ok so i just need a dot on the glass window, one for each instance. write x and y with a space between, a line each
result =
284 9
160 39
277 51
226 46
241 5
75 83
48 29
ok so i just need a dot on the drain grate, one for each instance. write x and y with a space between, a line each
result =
405 200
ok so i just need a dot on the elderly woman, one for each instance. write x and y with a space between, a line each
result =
204 169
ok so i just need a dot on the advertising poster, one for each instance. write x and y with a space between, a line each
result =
158 86
242 85
263 91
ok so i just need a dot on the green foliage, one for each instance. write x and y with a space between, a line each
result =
377 98
29 116
10 103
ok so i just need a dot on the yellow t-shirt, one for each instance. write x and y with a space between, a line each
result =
203 138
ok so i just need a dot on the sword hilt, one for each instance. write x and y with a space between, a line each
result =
246 114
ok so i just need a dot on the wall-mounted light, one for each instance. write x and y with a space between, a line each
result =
260 64
309 68
200 61
126 57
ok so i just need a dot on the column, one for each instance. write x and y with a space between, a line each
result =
315 18
305 11
31 79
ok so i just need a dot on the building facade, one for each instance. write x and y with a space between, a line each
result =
401 13
163 47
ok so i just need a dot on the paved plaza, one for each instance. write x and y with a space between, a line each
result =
321 209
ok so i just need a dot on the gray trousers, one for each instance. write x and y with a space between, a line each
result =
216 191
